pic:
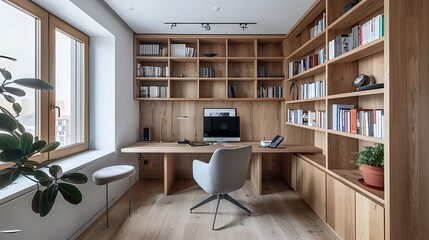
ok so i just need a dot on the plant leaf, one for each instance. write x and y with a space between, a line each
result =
44 205
21 127
51 146
70 193
52 192
15 91
4 110
17 108
32 164
8 123
35 204
28 169
11 155
26 142
15 174
76 178
47 162
34 83
8 141
5 177
6 74
37 145
9 98
56 171
41 175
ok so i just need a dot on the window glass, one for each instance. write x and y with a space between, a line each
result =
69 74
19 38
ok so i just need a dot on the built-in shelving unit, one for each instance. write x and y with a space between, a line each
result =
242 68
339 72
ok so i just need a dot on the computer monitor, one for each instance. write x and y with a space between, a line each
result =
221 129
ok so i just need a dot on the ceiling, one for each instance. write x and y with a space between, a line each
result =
271 16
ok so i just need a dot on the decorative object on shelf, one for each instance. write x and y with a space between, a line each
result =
371 162
371 86
182 125
350 5
18 146
362 80
209 54
207 25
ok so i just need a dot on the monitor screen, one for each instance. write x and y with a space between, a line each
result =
221 129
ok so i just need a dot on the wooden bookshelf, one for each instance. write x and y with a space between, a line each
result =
338 147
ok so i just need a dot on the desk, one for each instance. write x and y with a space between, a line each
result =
170 149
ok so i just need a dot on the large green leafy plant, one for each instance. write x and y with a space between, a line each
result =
17 146
371 155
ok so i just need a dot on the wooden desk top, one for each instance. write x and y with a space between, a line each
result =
173 147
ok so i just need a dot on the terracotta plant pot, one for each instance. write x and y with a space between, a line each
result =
373 176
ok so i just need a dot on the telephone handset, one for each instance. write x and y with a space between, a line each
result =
276 141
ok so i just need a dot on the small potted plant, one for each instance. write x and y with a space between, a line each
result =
371 162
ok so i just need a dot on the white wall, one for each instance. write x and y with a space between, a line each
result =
113 124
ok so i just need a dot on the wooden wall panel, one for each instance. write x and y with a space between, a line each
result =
369 219
408 101
341 208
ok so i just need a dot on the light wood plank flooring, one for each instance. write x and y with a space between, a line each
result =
278 214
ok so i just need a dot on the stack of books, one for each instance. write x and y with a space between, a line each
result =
152 49
366 122
181 50
307 62
318 27
360 35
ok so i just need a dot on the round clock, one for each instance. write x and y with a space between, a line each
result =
361 80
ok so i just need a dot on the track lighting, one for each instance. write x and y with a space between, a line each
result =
207 25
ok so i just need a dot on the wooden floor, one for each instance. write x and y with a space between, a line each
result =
278 214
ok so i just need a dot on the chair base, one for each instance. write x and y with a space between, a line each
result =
219 197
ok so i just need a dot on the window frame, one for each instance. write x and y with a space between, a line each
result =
54 24
47 24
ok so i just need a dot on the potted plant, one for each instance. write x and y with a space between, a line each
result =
371 161
17 146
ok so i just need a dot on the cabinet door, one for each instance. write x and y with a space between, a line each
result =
369 219
341 208
314 188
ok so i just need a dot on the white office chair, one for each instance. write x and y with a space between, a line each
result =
225 173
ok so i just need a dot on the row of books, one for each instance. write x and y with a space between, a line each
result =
312 89
318 27
151 71
207 72
153 92
181 50
270 92
310 61
360 35
366 122
152 49
305 117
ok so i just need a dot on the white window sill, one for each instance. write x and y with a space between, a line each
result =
76 162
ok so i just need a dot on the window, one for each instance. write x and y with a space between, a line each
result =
49 49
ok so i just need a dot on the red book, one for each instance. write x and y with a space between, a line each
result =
353 120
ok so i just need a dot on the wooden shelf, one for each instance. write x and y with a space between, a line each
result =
270 79
351 177
215 99
308 18
184 79
212 79
241 59
357 94
362 10
152 79
356 136
310 72
308 46
151 59
212 59
360 52
318 160
184 59
270 59
306 127
247 79
306 100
